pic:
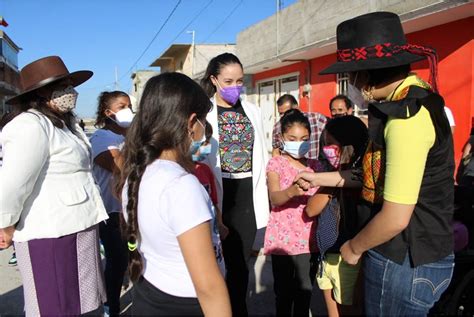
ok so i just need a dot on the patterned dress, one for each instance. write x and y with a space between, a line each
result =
290 231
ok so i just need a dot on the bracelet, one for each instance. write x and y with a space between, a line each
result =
337 185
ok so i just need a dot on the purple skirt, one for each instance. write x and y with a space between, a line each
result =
62 276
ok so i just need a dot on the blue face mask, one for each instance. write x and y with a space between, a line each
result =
194 147
296 149
204 151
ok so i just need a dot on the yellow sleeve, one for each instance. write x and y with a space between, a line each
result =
408 142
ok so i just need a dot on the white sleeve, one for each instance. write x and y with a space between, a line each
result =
25 151
102 141
450 116
188 204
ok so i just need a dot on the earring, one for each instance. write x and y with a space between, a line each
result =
368 94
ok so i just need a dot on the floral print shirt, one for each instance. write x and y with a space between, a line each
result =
290 231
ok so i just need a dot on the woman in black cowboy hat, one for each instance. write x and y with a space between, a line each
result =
407 169
50 204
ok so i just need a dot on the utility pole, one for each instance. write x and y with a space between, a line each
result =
193 46
278 7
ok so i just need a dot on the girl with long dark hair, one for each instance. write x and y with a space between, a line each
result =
172 259
343 143
114 116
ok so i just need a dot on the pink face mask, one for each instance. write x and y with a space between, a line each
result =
333 155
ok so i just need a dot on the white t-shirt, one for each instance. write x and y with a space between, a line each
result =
104 140
171 201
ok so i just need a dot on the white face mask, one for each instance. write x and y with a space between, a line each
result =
296 149
355 95
124 117
64 100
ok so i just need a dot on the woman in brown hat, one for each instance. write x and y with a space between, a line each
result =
50 204
408 169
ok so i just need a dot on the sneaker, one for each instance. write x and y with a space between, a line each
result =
12 259
106 311
102 250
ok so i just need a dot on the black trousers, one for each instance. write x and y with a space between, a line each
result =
116 256
239 216
149 300
293 279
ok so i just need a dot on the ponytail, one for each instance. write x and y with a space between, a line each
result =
214 68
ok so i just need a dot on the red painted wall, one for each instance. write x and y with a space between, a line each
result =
324 86
454 43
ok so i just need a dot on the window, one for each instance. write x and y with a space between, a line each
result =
342 80
9 53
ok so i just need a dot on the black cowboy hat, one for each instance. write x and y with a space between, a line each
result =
372 41
46 71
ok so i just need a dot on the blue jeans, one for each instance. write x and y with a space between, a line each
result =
392 289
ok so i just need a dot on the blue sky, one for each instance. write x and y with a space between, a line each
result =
101 35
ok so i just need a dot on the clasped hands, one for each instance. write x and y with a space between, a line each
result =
304 180
307 180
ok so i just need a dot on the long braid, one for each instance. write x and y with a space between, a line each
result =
432 57
134 168
132 230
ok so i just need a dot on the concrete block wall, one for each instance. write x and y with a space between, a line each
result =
183 62
138 84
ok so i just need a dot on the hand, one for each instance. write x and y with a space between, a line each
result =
296 190
305 180
223 231
6 235
348 254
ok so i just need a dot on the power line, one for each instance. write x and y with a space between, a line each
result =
180 32
222 23
192 20
152 40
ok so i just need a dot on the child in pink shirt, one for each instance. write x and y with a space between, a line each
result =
290 234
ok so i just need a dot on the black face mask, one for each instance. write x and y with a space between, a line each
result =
338 115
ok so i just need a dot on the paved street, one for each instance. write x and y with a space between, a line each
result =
261 298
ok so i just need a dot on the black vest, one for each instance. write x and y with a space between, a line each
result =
428 237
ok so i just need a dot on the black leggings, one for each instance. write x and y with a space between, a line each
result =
293 279
151 301
116 256
238 215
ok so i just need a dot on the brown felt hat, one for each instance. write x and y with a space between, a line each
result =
46 71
